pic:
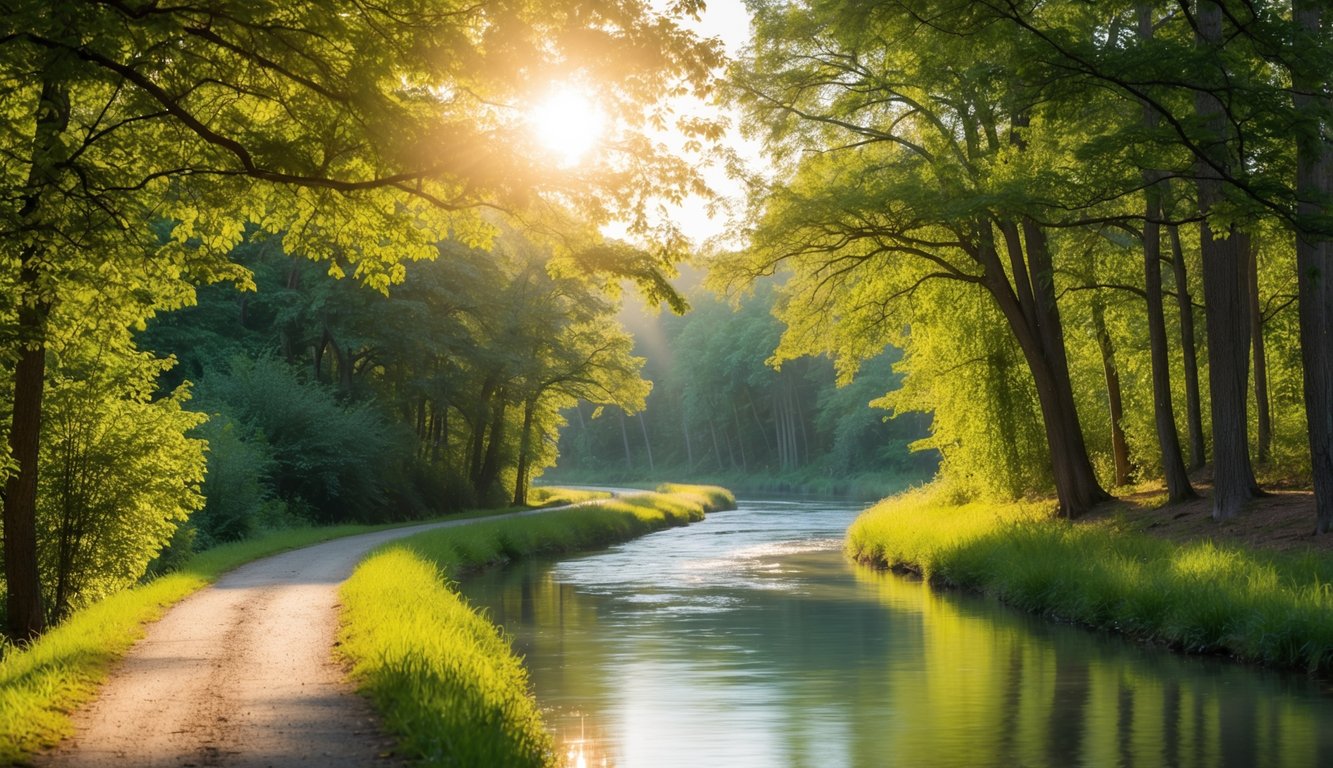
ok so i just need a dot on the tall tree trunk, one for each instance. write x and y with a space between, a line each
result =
480 417
1314 253
647 446
689 447
1226 312
1178 486
25 617
524 447
717 450
1261 399
1189 352
1029 308
740 441
624 437
490 468
1114 396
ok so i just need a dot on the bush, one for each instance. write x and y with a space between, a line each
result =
118 475
330 460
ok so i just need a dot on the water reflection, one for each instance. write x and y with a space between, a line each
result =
747 640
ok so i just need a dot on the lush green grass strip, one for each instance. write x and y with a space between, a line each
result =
45 681
1201 597
444 677
558 497
712 497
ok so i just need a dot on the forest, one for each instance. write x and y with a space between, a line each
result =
265 265
717 410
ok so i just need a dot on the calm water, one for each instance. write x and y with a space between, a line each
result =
748 640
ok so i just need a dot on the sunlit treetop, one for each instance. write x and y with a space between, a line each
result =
362 133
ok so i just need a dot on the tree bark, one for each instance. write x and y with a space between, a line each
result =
1189 352
1114 396
25 617
490 468
1031 312
1314 255
524 446
1177 479
1226 312
1263 449
1178 486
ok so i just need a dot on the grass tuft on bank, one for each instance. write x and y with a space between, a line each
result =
443 677
1198 597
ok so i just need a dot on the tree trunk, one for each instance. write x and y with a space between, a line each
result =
1033 317
524 446
647 446
490 468
1314 255
1178 486
25 617
717 450
689 448
478 424
1225 308
740 441
1189 352
1261 399
1114 396
624 437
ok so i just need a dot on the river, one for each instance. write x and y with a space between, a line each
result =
749 640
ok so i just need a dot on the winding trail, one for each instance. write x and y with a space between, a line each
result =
241 674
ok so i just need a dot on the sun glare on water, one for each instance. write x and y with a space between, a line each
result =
568 123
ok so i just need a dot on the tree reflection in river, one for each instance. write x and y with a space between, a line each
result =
747 640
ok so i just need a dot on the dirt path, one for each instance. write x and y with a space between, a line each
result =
241 674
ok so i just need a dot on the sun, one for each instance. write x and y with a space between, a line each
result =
568 123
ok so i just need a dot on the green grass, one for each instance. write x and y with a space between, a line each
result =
555 497
444 677
43 682
1200 597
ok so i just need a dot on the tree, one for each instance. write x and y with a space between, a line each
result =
1254 80
119 474
904 163
363 133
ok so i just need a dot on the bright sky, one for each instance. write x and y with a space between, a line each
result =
729 21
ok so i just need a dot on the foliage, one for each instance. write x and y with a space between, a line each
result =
120 476
238 485
717 410
332 460
967 181
1199 597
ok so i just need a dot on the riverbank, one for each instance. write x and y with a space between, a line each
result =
44 682
869 486
1161 576
442 676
